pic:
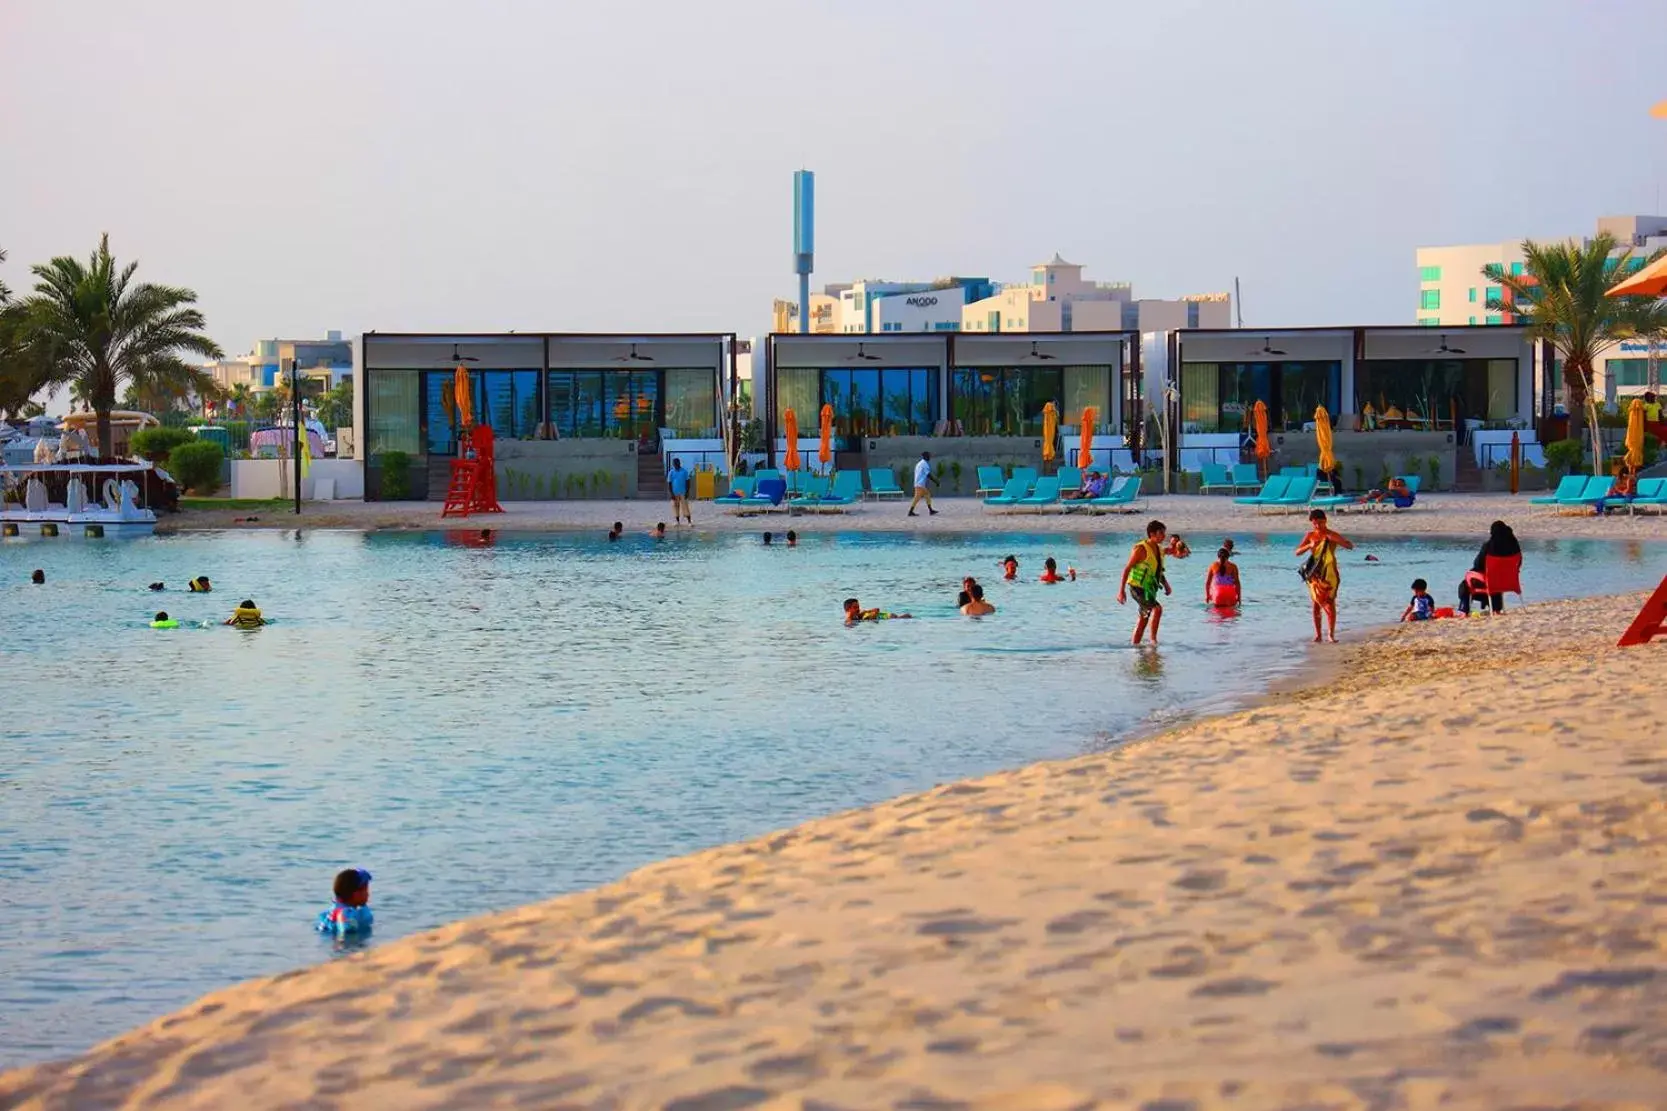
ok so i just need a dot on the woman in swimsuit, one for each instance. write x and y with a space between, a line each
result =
1321 546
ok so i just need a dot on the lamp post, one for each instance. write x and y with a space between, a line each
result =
295 448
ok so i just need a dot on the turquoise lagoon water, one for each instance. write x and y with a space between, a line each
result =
485 727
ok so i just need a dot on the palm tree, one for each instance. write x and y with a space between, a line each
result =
5 291
238 399
97 329
1562 296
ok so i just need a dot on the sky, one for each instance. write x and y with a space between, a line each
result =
557 166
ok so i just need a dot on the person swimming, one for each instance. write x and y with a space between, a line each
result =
159 586
350 913
768 538
38 577
792 539
660 531
163 621
854 613
246 616
200 585
1177 548
616 532
1010 568
1050 572
975 605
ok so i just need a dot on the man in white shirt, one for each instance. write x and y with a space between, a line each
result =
923 475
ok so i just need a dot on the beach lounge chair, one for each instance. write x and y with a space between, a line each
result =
1294 472
1569 488
1337 501
808 488
740 488
990 481
1244 477
770 494
1214 476
1273 489
1296 496
883 484
1123 497
766 472
1015 489
1652 494
1593 494
844 491
1070 478
1045 494
1026 473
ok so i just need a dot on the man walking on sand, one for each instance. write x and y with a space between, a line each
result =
677 481
923 475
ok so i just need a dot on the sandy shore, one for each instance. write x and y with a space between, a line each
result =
1434 882
1436 515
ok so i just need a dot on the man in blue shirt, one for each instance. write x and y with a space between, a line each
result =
678 481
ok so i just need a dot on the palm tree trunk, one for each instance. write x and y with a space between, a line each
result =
105 447
1577 377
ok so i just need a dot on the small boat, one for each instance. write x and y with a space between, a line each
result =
99 499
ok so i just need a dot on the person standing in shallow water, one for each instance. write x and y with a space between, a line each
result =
1321 572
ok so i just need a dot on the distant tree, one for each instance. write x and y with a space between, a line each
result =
335 408
96 329
1563 296
238 399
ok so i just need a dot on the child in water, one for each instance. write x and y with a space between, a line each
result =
1221 581
1422 606
200 585
245 616
163 621
351 913
854 613
1010 568
1050 572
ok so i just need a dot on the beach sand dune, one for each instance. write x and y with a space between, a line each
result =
1434 882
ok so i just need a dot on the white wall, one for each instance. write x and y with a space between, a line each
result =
919 312
272 478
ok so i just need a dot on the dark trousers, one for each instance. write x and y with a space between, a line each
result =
1497 601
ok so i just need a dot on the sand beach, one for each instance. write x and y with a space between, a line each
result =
1433 878
1434 515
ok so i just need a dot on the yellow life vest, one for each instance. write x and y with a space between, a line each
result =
1146 574
247 618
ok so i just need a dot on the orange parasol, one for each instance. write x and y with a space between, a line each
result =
1263 448
1635 433
1322 436
1050 431
1086 455
824 452
790 427
1648 282
465 402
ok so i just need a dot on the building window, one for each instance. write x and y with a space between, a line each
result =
1429 273
1473 320
1430 321
1516 269
1628 372
1473 294
894 401
394 400
1005 401
1437 389
1493 319
1429 299
611 404
692 403
1492 293
1192 314
1220 397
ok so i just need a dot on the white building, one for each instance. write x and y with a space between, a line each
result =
1452 291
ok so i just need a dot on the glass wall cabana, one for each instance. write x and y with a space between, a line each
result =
538 387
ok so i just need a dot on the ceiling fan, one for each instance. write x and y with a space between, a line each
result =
862 356
1035 354
1267 347
1446 350
634 357
458 357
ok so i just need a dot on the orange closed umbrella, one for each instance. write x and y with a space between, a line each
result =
824 452
465 402
1635 433
1322 436
1086 455
1050 430
1260 415
790 426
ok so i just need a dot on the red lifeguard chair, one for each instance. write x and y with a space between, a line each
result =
1651 621
474 479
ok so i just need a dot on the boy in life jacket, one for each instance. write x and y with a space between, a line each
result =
351 912
854 613
1143 576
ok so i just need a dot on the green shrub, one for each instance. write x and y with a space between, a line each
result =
1565 456
158 444
396 475
196 465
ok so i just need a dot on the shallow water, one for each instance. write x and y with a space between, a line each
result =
485 727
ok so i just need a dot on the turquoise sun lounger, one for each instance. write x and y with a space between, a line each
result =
883 484
1123 497
990 481
1272 490
1046 494
1015 489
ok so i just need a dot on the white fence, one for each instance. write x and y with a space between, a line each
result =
326 480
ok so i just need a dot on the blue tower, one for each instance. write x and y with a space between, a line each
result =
804 239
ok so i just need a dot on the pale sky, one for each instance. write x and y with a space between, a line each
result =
412 165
